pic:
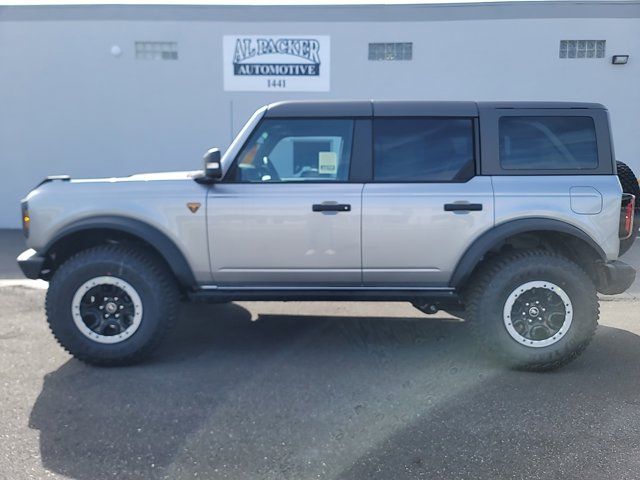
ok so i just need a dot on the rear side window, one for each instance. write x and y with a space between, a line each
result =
548 143
423 149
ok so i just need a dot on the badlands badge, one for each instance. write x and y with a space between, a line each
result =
193 206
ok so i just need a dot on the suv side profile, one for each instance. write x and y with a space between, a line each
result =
507 214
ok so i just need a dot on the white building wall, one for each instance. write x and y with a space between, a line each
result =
68 106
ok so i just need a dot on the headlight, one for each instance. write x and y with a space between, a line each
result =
26 219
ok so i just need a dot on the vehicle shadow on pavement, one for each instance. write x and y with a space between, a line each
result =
351 397
580 422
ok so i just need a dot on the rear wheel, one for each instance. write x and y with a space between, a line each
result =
535 310
111 305
629 184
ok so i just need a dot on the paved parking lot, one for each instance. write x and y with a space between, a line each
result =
339 391
11 244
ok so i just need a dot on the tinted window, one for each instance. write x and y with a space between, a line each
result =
296 150
423 149
548 143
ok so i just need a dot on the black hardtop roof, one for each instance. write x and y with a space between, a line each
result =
393 108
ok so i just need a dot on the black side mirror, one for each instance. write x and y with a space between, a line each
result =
212 165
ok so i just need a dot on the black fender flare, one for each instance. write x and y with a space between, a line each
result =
150 234
475 253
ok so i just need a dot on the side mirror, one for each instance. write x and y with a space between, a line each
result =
212 165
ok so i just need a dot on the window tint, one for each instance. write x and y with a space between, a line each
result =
551 143
296 150
423 149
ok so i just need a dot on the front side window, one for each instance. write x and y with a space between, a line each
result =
296 150
423 149
548 143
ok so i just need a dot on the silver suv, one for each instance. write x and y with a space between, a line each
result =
508 215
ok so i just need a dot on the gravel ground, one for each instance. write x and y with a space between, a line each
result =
337 391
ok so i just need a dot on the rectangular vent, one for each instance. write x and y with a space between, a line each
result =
390 51
582 48
156 50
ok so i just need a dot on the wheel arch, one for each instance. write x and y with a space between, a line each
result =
562 235
89 232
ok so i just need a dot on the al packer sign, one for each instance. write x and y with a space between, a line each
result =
262 63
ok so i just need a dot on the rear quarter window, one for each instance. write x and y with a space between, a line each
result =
547 143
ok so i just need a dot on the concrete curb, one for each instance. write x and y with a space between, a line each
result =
36 284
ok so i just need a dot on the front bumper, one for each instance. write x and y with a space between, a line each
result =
30 263
615 277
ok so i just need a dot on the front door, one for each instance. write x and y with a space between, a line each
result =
285 214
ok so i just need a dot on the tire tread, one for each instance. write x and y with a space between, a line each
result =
629 184
493 268
152 268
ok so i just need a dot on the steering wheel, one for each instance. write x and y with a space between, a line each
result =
266 168
257 171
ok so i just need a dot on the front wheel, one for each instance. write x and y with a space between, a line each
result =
111 305
536 310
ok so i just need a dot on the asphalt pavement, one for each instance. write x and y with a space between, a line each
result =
11 245
315 391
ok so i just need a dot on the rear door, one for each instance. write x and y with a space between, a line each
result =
426 205
287 213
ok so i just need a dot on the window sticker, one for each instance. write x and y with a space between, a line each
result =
327 163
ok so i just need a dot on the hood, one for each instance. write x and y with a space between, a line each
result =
142 177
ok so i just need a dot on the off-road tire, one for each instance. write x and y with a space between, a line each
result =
153 282
498 278
630 185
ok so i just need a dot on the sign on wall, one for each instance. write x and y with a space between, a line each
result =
262 63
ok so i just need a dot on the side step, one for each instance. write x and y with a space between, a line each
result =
439 297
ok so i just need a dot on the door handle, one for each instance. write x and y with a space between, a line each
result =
462 207
331 207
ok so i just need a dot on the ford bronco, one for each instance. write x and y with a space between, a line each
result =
510 215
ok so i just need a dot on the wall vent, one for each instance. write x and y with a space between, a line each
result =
156 50
391 51
582 48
